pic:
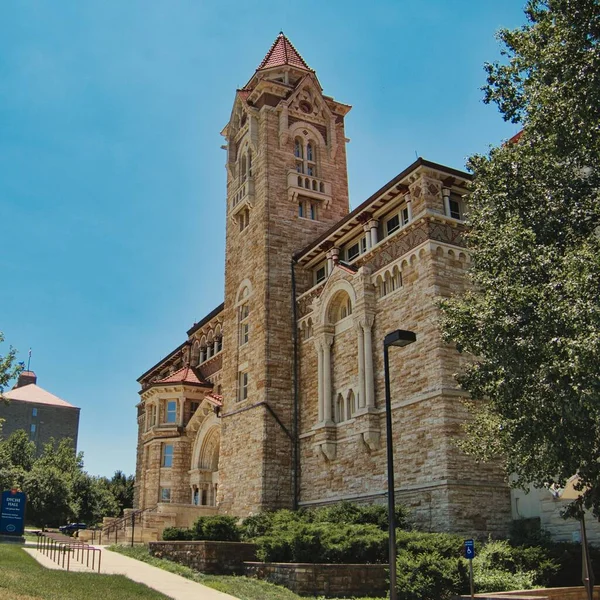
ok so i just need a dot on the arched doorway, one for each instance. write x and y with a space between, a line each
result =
204 473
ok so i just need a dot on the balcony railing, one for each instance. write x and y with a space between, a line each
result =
307 185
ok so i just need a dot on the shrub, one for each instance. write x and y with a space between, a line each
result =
348 513
256 525
429 576
498 567
447 545
323 542
177 534
218 528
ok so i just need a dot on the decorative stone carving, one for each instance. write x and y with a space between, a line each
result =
328 450
372 439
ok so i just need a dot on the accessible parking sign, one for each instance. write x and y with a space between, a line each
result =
12 512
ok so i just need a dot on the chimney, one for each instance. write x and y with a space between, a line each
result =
25 378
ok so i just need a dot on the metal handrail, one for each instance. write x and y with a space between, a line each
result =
121 524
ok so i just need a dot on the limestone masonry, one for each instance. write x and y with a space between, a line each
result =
276 398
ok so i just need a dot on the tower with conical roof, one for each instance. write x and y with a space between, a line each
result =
286 184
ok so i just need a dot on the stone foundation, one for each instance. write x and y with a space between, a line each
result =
570 593
308 579
206 557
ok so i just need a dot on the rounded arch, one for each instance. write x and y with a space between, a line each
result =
244 291
297 130
205 453
341 285
340 306
195 357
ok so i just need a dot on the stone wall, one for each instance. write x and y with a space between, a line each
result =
446 490
308 579
205 556
573 593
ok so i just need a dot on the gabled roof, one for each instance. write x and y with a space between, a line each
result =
186 375
36 395
282 52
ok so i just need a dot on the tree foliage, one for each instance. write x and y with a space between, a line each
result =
532 318
57 487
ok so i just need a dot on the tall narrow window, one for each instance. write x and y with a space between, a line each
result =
454 208
167 455
165 494
242 386
311 166
171 416
243 168
34 412
244 323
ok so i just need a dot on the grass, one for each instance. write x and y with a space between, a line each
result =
243 588
23 578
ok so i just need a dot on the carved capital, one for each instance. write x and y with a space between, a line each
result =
367 321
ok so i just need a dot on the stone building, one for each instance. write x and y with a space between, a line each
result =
276 398
41 414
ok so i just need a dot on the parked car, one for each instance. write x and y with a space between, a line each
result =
72 527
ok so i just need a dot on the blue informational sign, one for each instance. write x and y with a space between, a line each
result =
12 512
469 549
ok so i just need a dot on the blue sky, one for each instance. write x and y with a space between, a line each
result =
112 180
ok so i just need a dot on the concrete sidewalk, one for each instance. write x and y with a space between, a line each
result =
113 563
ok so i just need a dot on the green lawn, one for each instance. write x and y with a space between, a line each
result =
243 588
23 578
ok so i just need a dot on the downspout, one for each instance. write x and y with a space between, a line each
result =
295 445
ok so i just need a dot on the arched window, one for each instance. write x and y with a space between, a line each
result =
311 159
340 413
243 167
305 153
249 163
195 357
340 307
350 404
243 316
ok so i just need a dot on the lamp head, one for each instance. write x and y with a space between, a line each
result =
400 337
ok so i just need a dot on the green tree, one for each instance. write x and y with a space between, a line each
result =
48 496
18 451
9 368
532 318
121 487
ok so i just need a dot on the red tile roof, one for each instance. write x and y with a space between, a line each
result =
35 394
215 399
282 52
183 375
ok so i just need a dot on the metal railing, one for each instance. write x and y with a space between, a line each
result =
113 528
59 548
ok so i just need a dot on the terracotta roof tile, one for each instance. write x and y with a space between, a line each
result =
183 375
215 399
282 52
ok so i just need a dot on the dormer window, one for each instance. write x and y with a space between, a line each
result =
320 272
454 205
355 248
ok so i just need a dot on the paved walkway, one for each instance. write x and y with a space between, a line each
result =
113 563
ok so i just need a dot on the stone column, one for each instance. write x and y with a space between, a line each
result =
446 194
361 365
181 410
319 347
367 230
367 323
373 224
327 416
408 200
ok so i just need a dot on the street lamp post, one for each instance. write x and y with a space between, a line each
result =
401 338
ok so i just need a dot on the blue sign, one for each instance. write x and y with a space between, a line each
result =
12 512
469 549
